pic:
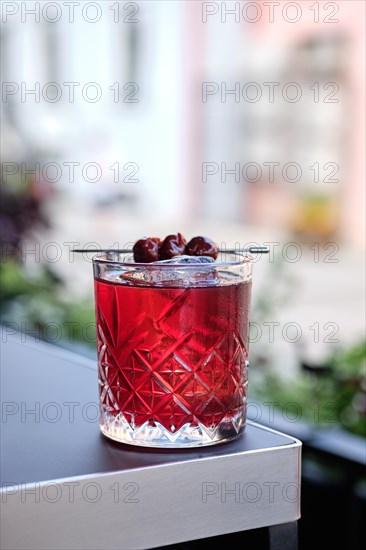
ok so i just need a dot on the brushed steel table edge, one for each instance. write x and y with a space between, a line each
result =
296 443
173 505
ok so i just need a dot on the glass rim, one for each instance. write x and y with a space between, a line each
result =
244 259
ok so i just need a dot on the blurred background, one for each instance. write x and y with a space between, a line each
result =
243 121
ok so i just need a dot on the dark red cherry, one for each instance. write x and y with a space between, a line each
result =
146 250
172 245
201 246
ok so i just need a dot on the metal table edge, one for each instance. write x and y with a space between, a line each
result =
293 444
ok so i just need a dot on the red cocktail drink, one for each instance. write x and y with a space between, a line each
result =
172 351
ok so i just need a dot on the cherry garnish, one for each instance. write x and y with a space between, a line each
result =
146 250
172 245
201 246
152 249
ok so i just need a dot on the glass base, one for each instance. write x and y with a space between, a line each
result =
154 435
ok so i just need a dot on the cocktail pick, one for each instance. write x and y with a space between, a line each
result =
250 249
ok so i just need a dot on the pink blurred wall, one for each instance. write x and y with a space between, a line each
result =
351 24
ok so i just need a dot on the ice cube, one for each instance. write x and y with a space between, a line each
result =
184 259
177 277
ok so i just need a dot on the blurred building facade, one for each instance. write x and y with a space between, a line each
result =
195 115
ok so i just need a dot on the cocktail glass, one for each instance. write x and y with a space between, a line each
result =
172 349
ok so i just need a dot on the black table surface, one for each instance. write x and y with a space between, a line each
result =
50 426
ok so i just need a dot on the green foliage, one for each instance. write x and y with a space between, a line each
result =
331 395
34 303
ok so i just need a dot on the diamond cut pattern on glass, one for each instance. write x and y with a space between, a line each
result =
151 375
